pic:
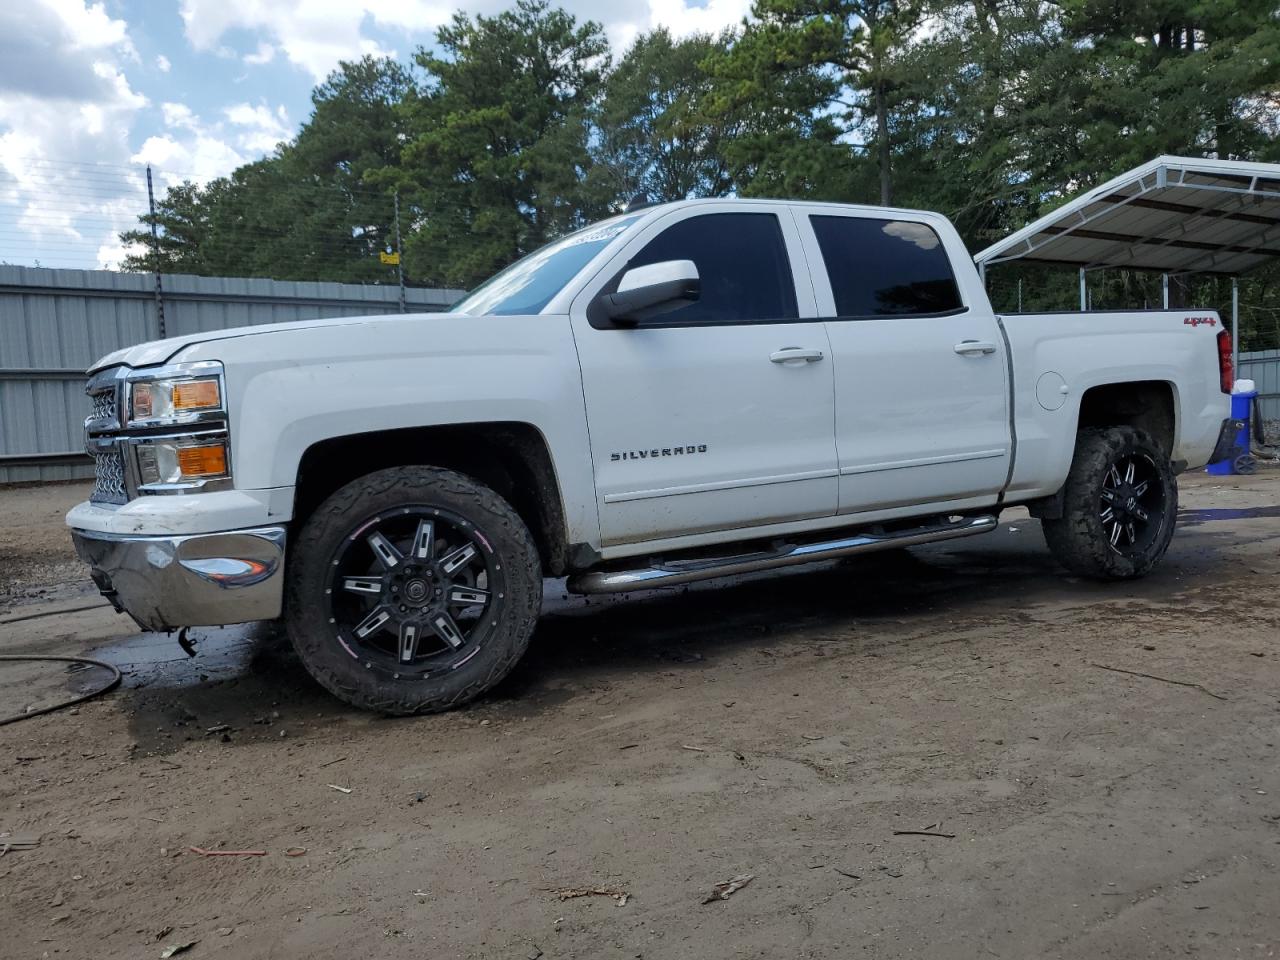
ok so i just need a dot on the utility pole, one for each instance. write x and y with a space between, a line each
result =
399 254
155 253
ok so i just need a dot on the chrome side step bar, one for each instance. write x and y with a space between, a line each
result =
669 573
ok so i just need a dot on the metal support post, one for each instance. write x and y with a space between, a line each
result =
1235 326
399 255
155 254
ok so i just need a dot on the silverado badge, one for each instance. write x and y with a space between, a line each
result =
656 452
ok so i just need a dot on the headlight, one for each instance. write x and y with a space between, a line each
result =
176 437
171 401
182 461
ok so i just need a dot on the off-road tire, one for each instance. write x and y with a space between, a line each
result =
1079 539
307 610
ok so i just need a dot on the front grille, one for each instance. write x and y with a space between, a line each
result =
104 407
108 484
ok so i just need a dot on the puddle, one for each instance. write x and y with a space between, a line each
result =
248 677
1192 517
151 659
641 625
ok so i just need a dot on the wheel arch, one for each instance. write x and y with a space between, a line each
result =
510 457
1149 405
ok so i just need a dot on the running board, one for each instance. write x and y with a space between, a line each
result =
669 573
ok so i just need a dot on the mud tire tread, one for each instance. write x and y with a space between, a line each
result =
305 617
1077 539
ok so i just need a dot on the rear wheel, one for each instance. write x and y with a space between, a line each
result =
1120 505
412 590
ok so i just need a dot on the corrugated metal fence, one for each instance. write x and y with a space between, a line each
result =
1263 368
54 323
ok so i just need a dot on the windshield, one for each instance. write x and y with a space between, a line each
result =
529 284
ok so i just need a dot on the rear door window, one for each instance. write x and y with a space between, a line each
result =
886 267
742 263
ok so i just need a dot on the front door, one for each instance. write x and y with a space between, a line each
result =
717 415
922 395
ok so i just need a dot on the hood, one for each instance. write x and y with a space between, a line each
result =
160 351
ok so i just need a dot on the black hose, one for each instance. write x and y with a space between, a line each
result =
52 613
115 679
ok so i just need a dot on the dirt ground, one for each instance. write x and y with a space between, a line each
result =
783 727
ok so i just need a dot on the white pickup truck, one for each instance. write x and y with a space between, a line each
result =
681 392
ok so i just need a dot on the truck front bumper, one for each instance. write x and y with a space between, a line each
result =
205 579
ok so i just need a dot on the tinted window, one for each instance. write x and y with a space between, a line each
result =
742 264
885 267
529 284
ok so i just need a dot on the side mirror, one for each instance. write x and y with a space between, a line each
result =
653 289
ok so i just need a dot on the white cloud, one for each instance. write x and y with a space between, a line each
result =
89 27
71 164
314 35
265 54
311 34
178 115
193 149
201 156
64 94
261 128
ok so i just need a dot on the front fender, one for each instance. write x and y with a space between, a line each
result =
288 391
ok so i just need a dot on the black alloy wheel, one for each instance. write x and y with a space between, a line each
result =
414 590
1131 506
1119 505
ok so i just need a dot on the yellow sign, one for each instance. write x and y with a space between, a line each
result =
390 259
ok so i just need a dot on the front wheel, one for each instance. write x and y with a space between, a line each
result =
412 590
1119 508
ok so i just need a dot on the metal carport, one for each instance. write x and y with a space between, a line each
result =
1174 216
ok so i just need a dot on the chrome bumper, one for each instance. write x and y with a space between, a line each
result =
200 580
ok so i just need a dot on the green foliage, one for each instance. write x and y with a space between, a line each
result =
515 128
655 138
183 221
499 142
304 213
788 141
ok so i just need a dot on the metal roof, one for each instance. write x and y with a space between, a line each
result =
1174 215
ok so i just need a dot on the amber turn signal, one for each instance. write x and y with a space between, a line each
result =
208 460
196 395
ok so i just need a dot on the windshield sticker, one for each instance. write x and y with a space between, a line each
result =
599 234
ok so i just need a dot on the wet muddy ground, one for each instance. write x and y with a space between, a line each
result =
1100 758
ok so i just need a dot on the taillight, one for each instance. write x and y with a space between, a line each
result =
1226 375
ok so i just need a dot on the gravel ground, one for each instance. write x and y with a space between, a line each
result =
1271 431
1095 767
37 562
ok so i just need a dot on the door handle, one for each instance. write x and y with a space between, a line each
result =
975 348
788 354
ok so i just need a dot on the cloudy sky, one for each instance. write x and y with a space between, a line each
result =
91 92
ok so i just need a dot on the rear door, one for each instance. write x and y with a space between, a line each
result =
922 411
718 415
